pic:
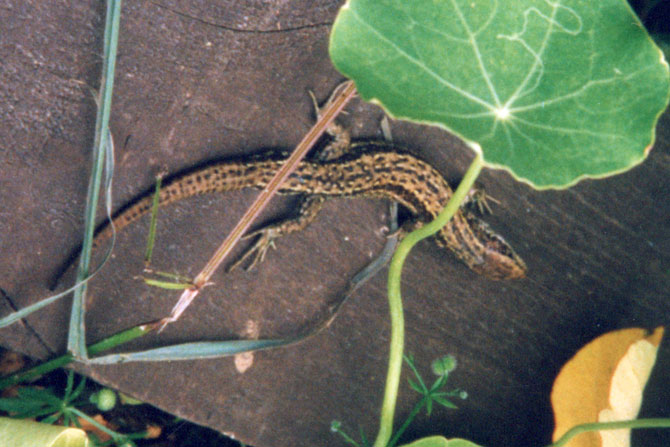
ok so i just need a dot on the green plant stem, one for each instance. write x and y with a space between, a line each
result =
598 426
96 348
395 300
116 436
95 423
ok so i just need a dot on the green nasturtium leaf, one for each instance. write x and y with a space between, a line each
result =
439 441
553 91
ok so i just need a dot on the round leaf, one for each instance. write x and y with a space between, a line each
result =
439 441
604 382
24 433
553 91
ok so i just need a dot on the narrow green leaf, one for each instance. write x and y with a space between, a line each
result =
416 387
94 349
423 389
53 415
37 395
364 439
52 418
173 276
38 414
192 351
167 284
444 402
22 313
70 383
15 405
551 91
78 390
439 383
151 239
128 400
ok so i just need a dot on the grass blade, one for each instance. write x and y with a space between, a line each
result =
193 351
77 332
154 220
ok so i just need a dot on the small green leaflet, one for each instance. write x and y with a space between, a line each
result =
553 91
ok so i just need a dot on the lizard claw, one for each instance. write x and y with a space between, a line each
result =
478 199
257 252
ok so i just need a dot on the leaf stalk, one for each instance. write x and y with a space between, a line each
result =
395 299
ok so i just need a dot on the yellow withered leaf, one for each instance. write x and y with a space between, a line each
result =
604 382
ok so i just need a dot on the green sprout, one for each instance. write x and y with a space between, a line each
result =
430 396
44 405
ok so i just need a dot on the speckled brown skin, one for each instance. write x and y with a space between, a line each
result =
370 169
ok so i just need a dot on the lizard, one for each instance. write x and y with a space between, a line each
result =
369 168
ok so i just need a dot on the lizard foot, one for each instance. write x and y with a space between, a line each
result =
257 252
478 199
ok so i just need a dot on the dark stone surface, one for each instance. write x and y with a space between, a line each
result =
197 81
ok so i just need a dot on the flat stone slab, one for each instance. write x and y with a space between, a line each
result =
197 82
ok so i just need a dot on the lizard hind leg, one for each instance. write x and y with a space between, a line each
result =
310 205
265 237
